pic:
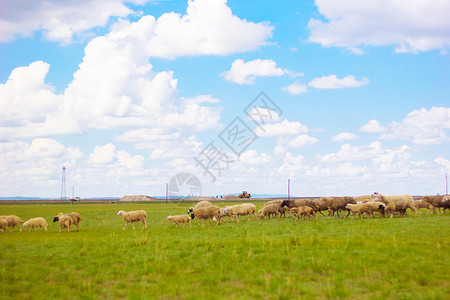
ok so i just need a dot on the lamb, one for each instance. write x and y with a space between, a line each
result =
3 225
35 222
180 219
302 211
303 202
396 203
368 208
423 204
436 201
134 216
64 222
207 212
281 210
268 210
336 204
12 221
203 203
243 210
76 218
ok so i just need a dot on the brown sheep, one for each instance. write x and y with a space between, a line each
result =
337 204
302 211
3 225
423 204
268 210
304 202
436 201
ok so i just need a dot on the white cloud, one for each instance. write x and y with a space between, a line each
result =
373 126
251 157
443 162
424 127
246 72
332 82
408 25
103 154
343 137
59 20
295 88
282 128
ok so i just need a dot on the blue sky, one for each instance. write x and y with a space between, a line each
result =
128 94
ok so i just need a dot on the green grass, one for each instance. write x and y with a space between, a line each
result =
377 258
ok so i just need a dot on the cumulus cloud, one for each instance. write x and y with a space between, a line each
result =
284 143
423 127
409 26
332 82
246 72
343 137
295 88
285 127
373 126
251 157
59 20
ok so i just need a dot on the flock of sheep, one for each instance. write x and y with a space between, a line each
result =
304 208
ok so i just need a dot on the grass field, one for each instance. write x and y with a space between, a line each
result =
273 259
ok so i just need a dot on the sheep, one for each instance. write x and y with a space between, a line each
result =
64 221
423 204
243 210
446 202
226 212
180 219
76 218
134 216
207 212
436 201
3 225
303 202
268 210
203 203
12 221
368 208
302 211
35 222
396 203
336 204
281 210
363 199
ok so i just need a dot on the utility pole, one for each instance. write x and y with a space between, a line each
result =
446 184
167 190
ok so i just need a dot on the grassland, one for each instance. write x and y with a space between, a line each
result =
377 258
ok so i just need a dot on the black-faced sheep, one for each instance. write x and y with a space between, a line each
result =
304 212
12 221
35 222
76 218
268 210
337 204
243 210
203 203
207 212
134 216
396 203
180 219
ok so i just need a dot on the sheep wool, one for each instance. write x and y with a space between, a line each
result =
34 223
243 210
396 203
207 212
3 225
268 210
12 221
134 216
180 219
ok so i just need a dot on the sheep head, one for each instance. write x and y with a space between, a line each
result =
287 203
56 219
121 212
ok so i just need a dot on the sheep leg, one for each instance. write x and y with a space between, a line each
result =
134 228
348 213
321 213
144 224
126 223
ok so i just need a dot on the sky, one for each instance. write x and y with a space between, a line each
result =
337 97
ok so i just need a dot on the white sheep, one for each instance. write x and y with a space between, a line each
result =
180 219
64 222
12 221
133 216
76 218
243 210
226 212
203 203
3 225
35 222
268 210
396 203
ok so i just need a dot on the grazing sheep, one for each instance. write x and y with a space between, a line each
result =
3 225
35 222
436 201
180 219
76 218
396 203
12 221
207 212
281 210
303 212
243 210
64 222
226 212
423 204
369 208
336 204
132 217
303 202
268 210
203 203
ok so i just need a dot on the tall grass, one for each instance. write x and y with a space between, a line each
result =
364 259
